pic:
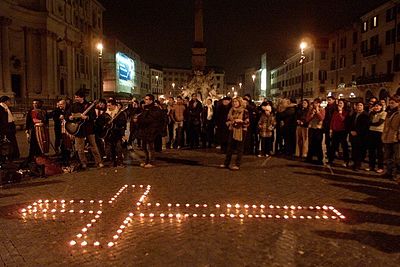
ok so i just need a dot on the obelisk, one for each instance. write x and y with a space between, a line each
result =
198 50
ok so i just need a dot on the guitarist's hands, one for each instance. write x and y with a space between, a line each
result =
71 118
84 117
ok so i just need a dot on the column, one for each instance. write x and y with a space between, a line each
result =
5 57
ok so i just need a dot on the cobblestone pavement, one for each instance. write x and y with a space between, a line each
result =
368 236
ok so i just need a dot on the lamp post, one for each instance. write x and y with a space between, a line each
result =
253 77
240 87
303 46
156 87
100 47
173 88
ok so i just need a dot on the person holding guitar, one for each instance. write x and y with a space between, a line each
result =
81 112
115 131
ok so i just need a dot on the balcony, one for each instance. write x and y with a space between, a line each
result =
372 52
381 78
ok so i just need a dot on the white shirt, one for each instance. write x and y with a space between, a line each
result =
10 116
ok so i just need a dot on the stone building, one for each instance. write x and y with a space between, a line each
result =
48 49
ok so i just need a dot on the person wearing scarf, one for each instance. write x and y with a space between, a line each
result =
238 121
8 129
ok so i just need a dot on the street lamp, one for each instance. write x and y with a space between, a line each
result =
157 86
240 87
100 48
173 88
303 46
254 85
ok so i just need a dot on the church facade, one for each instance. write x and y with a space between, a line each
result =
48 49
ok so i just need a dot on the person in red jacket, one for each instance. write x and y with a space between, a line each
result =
338 132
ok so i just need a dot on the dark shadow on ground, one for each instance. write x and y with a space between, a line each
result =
179 161
32 184
8 195
12 211
338 171
354 217
381 241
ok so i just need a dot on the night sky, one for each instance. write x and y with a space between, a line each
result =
236 32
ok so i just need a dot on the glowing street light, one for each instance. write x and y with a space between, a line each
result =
303 46
254 85
100 47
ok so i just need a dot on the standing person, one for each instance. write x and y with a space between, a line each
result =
58 117
221 129
377 118
251 142
289 127
177 116
207 120
36 116
359 124
280 127
329 110
7 128
238 121
116 131
194 110
134 110
315 118
266 126
390 139
86 131
302 129
150 123
339 132
100 122
170 104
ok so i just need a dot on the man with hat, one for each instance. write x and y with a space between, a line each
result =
8 129
87 129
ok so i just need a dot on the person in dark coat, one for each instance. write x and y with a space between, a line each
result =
207 122
221 115
8 129
117 127
194 121
329 110
359 125
150 123
87 129
288 116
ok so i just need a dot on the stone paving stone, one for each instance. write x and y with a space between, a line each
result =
368 237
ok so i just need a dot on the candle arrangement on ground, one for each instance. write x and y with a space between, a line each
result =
138 208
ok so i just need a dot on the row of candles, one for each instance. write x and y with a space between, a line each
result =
179 215
128 219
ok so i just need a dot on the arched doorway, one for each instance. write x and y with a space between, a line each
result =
368 95
383 94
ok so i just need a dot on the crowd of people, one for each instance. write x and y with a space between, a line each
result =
287 128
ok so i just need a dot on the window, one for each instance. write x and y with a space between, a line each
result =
373 69
333 63
341 80
354 57
311 76
374 22
333 47
389 67
390 36
323 55
364 26
390 14
342 63
353 77
363 72
343 42
374 42
355 37
364 46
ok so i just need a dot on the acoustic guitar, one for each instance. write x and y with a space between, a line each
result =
110 125
73 127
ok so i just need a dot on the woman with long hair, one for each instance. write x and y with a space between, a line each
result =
238 121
